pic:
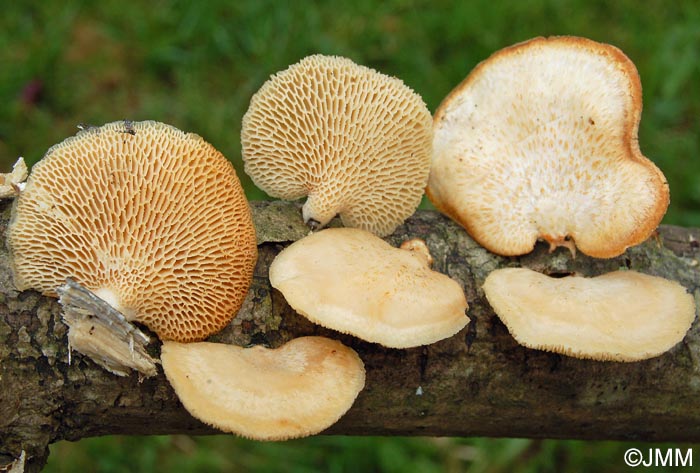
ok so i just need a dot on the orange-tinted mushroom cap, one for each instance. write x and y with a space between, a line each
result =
151 219
540 141
356 141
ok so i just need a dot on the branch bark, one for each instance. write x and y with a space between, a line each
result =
478 383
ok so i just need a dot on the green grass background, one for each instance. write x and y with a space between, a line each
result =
195 65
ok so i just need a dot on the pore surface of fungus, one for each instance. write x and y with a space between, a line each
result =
620 316
293 391
540 141
349 280
151 219
355 141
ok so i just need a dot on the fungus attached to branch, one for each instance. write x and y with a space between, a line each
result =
293 391
149 218
349 280
355 141
540 141
619 316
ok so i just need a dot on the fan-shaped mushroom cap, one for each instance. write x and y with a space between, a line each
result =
620 316
293 391
540 141
355 141
349 280
151 219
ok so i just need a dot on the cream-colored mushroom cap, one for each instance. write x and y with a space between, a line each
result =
151 219
351 281
356 141
620 316
540 141
293 391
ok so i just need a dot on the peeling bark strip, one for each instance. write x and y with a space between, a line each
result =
479 382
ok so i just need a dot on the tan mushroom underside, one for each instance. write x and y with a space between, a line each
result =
540 141
349 280
150 218
355 141
620 316
293 391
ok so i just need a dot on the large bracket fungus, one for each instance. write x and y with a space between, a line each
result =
540 141
356 141
149 218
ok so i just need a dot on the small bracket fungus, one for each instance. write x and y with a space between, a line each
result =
356 141
151 219
12 182
540 141
349 280
293 391
619 316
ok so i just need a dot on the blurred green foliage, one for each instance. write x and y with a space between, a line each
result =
180 453
195 65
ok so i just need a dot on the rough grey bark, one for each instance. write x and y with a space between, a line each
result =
479 382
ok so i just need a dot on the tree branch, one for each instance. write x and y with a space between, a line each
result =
478 383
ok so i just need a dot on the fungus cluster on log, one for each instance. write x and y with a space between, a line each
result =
140 222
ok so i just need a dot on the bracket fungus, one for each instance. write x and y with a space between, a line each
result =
540 141
151 219
293 391
355 141
619 316
354 282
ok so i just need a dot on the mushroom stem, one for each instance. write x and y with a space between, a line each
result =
313 224
317 213
99 331
556 242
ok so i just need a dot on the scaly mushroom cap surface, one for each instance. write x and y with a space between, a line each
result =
619 316
540 141
293 391
151 219
356 141
351 281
